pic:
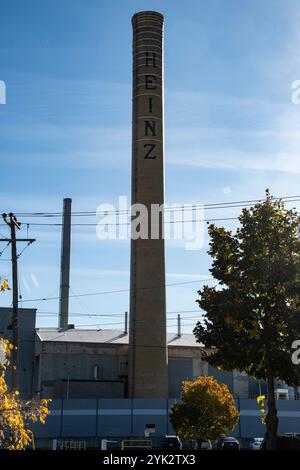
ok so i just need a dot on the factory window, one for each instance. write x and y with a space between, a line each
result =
96 372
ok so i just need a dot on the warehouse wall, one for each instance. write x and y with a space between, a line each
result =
106 418
79 366
66 368
87 389
60 362
179 369
223 377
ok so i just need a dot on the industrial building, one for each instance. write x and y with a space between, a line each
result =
111 383
85 372
82 363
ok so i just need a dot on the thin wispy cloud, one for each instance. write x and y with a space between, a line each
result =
231 130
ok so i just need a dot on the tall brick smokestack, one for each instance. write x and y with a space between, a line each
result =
148 373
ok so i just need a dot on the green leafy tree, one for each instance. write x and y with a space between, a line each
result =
207 410
253 316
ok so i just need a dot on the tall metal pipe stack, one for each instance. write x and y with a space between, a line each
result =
65 265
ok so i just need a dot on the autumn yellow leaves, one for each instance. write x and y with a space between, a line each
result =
17 414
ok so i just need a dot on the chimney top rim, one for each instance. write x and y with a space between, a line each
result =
147 12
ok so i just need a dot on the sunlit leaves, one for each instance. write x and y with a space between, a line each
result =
4 285
15 413
261 404
207 410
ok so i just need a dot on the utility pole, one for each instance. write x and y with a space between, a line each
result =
11 220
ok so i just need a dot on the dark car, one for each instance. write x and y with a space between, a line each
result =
228 443
171 442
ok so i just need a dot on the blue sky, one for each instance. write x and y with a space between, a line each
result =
231 130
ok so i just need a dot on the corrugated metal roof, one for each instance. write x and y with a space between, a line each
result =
105 336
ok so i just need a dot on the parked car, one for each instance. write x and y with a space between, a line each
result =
205 445
228 443
171 442
256 443
292 434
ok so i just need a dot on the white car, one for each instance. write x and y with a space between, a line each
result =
256 443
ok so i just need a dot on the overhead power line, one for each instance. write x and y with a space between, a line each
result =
119 323
61 334
120 290
173 208
116 224
5 248
109 315
182 208
170 319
